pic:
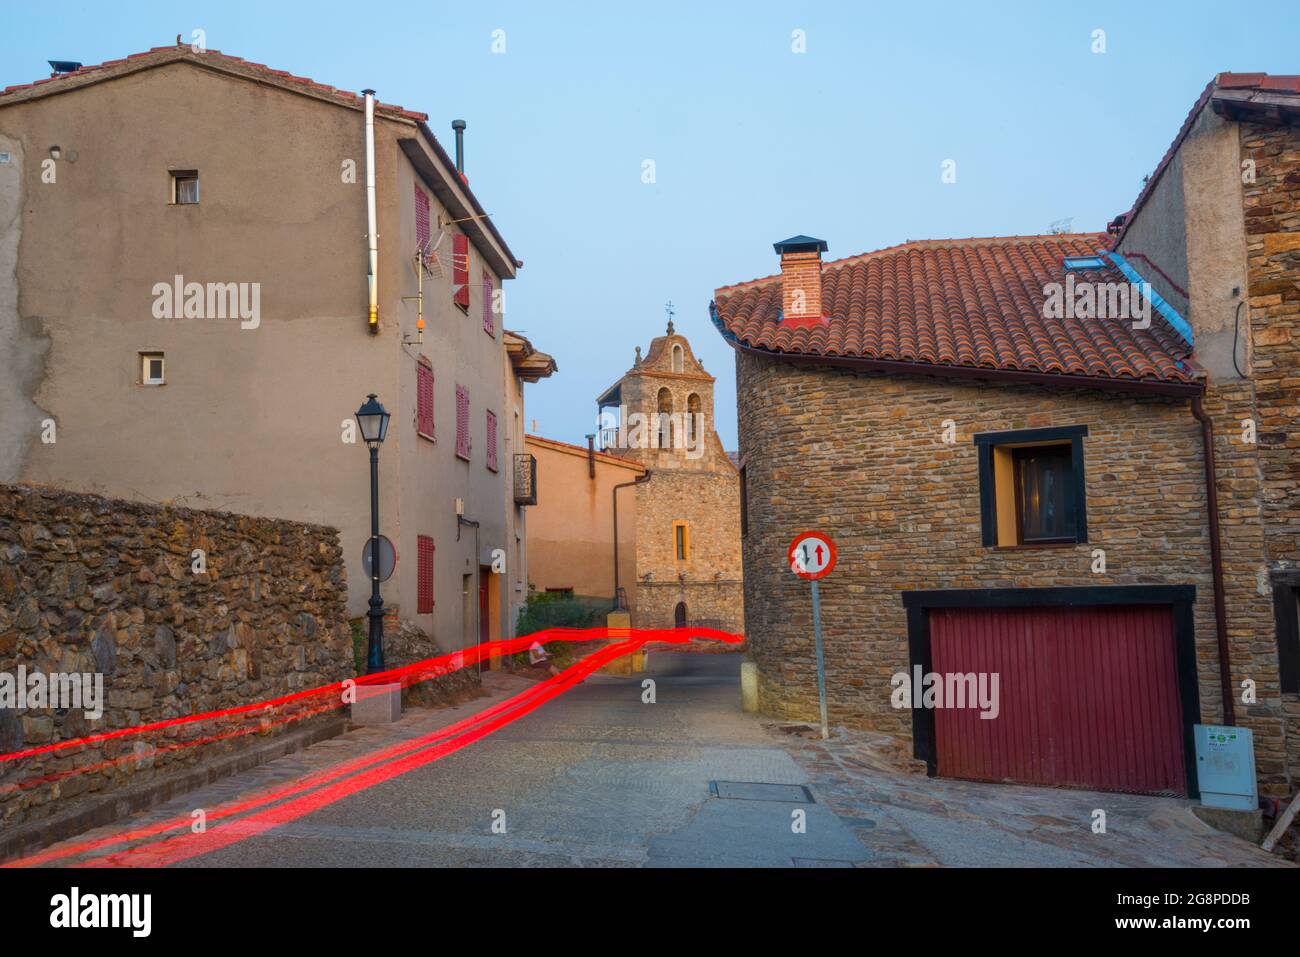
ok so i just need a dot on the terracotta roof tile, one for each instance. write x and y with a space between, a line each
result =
975 303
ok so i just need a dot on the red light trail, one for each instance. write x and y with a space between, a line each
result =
357 774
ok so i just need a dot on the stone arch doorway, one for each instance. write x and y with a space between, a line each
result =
679 615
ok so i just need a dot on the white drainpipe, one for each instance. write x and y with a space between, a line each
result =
372 230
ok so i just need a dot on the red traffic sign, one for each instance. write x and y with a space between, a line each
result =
811 555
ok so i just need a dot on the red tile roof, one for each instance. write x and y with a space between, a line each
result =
968 303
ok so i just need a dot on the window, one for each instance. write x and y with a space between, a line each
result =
462 422
1286 610
424 399
679 363
460 271
1032 487
489 325
665 430
423 574
681 541
185 187
151 368
694 419
492 440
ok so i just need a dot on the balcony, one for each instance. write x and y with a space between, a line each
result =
525 479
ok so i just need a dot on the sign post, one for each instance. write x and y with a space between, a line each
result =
812 557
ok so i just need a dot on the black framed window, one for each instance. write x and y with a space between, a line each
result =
1044 494
1031 486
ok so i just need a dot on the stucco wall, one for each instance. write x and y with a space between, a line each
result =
1188 241
250 420
571 529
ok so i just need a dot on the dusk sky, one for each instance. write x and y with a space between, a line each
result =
751 142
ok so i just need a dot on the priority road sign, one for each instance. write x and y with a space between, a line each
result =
812 555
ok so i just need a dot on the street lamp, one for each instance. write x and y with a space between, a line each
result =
372 419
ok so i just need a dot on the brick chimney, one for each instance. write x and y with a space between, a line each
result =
801 280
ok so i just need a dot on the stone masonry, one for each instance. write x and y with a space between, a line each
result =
94 585
1272 218
862 456
693 481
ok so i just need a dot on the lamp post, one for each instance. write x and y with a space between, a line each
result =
372 419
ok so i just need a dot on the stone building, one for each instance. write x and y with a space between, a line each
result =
688 511
1099 507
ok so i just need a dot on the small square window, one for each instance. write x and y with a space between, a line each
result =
151 368
1032 487
185 187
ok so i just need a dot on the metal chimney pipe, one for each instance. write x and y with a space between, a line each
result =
459 127
372 228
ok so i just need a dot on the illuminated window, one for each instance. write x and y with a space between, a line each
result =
1032 486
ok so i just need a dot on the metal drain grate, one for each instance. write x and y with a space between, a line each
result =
760 791
819 862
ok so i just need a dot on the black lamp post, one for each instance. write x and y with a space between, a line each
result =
372 418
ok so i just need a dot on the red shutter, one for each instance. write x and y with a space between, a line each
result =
421 219
492 441
489 326
462 422
424 574
424 399
460 269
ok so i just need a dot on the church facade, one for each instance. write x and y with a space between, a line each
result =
659 415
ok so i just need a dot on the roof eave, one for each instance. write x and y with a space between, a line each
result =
1055 380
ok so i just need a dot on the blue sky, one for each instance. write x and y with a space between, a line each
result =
751 142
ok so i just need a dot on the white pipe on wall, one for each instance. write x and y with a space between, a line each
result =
372 229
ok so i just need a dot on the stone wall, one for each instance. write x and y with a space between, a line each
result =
1272 209
863 458
95 585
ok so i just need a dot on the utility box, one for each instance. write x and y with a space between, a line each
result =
1225 767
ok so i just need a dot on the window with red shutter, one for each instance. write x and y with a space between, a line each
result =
460 270
489 326
462 422
424 400
492 441
423 574
422 233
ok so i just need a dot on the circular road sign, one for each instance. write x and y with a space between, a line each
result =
811 555
387 558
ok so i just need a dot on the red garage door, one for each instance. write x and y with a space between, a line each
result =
1088 697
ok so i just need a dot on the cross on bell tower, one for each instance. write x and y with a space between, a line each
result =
668 308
